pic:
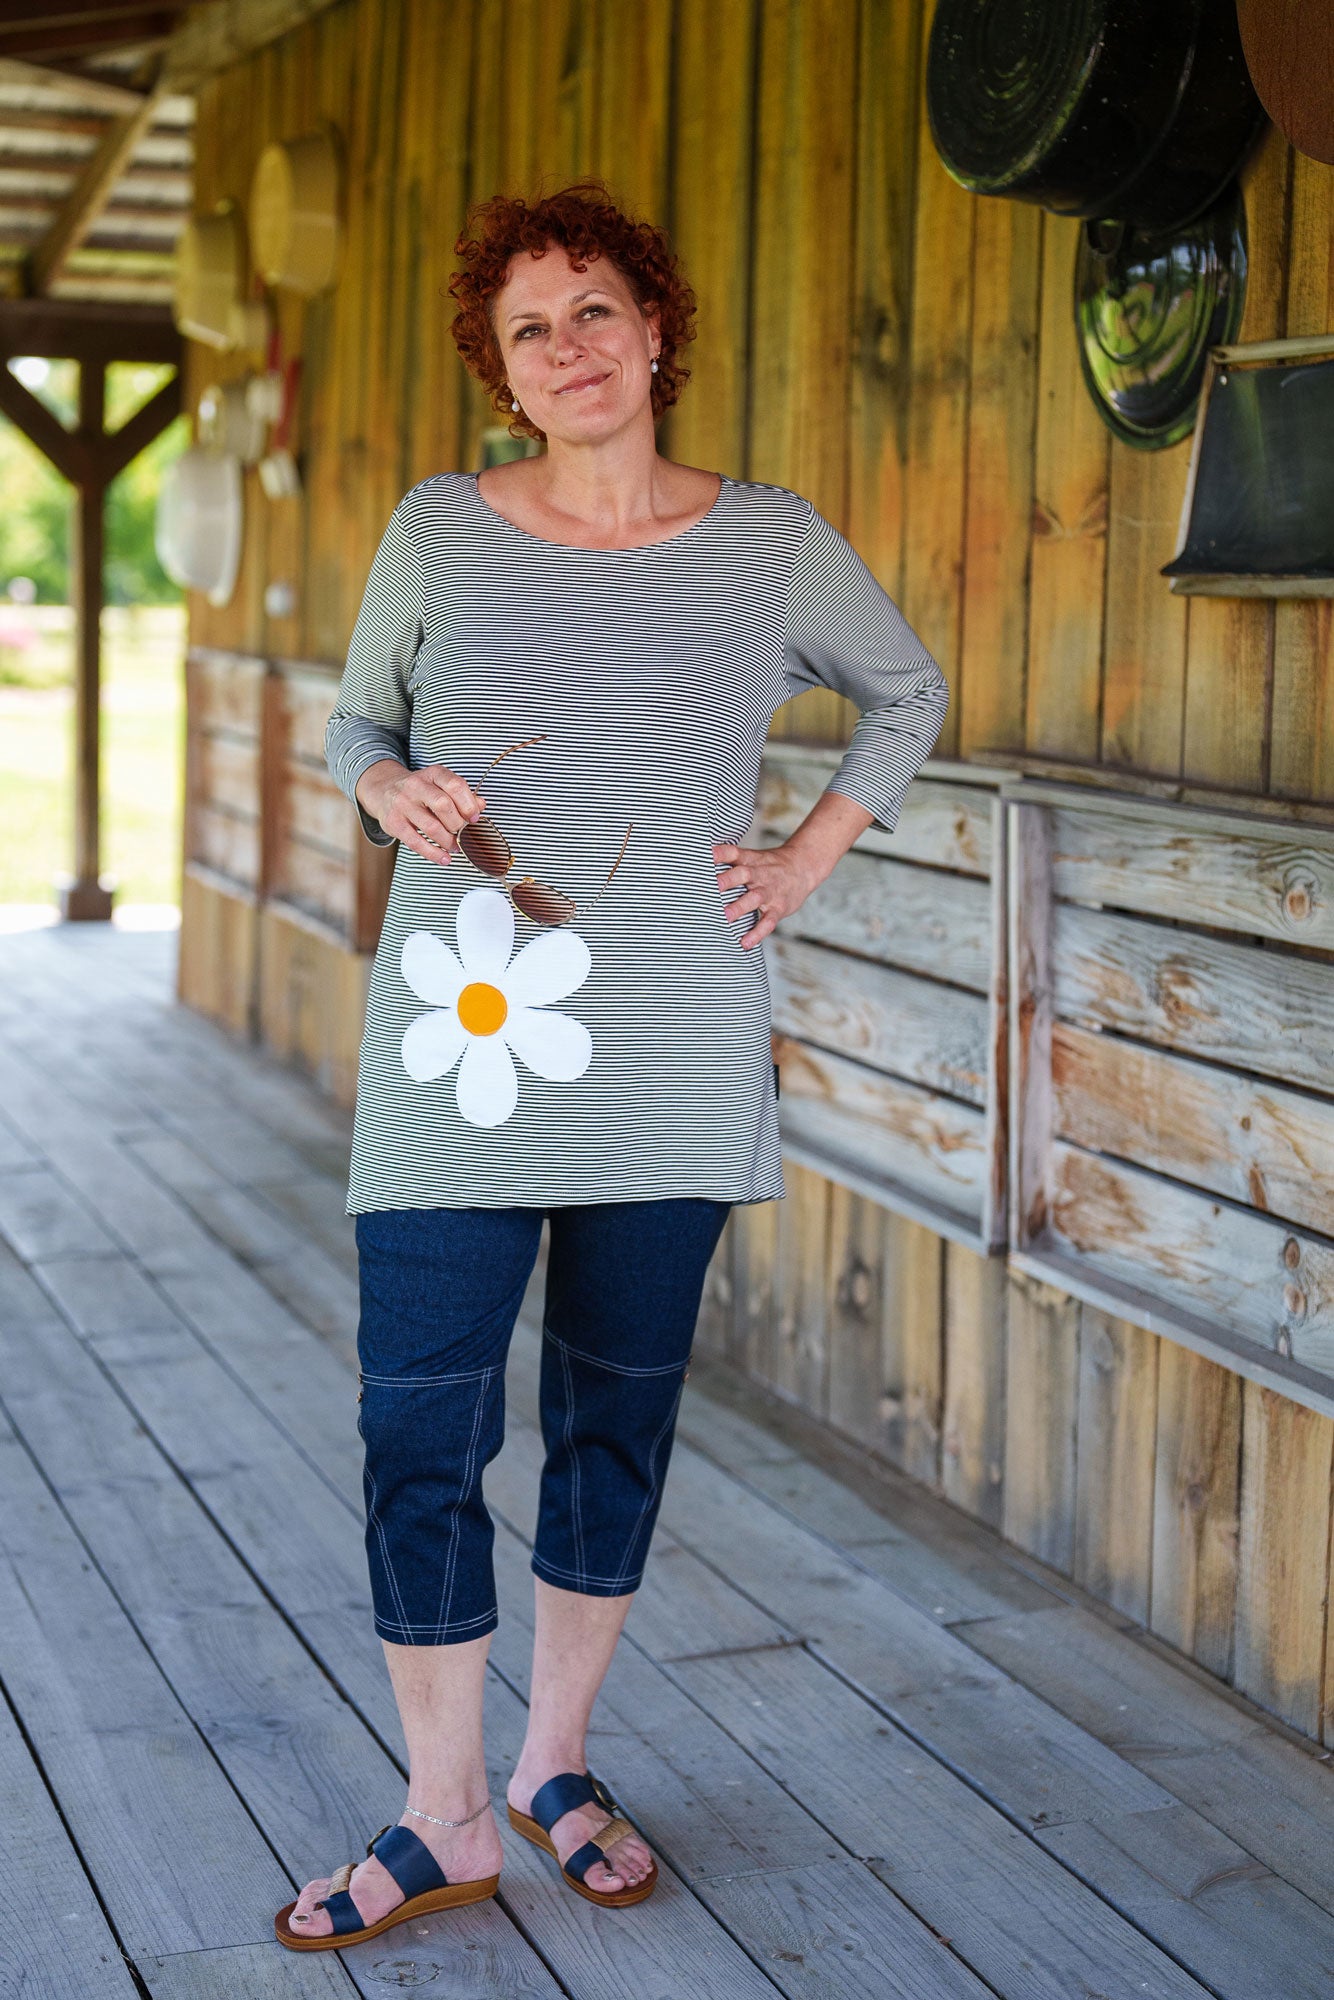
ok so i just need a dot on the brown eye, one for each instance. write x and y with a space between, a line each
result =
485 846
540 904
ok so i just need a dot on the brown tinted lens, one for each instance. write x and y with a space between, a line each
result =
486 847
542 905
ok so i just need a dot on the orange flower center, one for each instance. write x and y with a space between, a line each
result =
482 1008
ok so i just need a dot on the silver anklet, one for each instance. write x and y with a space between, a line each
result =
418 1814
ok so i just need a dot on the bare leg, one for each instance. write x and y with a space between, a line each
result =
439 1694
573 1641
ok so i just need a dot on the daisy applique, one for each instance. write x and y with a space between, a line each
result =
485 1007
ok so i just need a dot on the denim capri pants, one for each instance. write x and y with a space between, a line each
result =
440 1292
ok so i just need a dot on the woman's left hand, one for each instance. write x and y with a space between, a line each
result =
775 879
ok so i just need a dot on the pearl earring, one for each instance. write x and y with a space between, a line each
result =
654 366
514 406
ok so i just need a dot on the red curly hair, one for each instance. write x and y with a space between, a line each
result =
587 222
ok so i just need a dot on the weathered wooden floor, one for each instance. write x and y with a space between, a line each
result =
879 1753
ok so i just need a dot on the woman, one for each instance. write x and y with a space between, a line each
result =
555 701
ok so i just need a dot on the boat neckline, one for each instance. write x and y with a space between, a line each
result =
581 549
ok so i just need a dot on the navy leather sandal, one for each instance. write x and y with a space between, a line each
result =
418 1875
562 1794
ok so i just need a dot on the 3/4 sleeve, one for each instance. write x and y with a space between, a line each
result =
373 717
846 633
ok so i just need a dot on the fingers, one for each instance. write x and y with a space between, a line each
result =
768 922
463 799
437 846
431 806
754 899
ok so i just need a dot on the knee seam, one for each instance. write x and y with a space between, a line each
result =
612 1367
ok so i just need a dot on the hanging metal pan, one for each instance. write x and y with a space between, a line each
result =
1137 109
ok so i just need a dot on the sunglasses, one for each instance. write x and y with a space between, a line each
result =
482 842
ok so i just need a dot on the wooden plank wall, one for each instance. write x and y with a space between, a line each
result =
903 354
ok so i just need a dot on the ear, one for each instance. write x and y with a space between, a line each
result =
653 321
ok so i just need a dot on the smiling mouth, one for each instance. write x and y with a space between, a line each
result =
586 382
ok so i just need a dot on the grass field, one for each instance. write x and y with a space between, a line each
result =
143 708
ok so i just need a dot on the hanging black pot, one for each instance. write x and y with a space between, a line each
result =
1140 110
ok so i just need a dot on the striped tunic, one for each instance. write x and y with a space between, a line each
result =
625 1056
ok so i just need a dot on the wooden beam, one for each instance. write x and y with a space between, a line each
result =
135 435
63 84
216 36
22 13
143 29
88 330
65 451
88 197
86 897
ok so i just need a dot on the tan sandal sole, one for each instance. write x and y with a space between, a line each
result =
612 1899
452 1897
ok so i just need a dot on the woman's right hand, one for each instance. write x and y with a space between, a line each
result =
423 809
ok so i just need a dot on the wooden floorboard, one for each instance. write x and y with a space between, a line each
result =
877 1750
56 1940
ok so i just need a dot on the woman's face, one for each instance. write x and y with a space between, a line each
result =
575 344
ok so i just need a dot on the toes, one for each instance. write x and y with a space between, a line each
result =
632 1860
313 1922
604 1880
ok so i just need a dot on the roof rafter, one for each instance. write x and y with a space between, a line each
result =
87 198
64 84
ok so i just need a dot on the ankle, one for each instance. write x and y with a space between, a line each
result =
544 1758
425 1810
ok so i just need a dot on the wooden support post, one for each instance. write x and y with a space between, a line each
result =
87 896
90 459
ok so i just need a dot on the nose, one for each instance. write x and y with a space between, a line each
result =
567 346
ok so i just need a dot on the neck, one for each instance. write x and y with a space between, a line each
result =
613 484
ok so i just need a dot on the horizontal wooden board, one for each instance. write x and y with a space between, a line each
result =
223 842
1254 1142
227 773
942 825
896 1021
315 882
1253 1008
935 924
1271 881
1264 1282
314 810
226 690
307 698
889 1131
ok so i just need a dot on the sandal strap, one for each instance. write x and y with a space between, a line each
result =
562 1794
409 1860
579 1863
595 1848
608 1835
343 1912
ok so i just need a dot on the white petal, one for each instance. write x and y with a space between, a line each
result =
432 970
485 928
488 1085
547 969
433 1045
551 1044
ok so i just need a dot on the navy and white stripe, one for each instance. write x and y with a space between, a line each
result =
654 673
